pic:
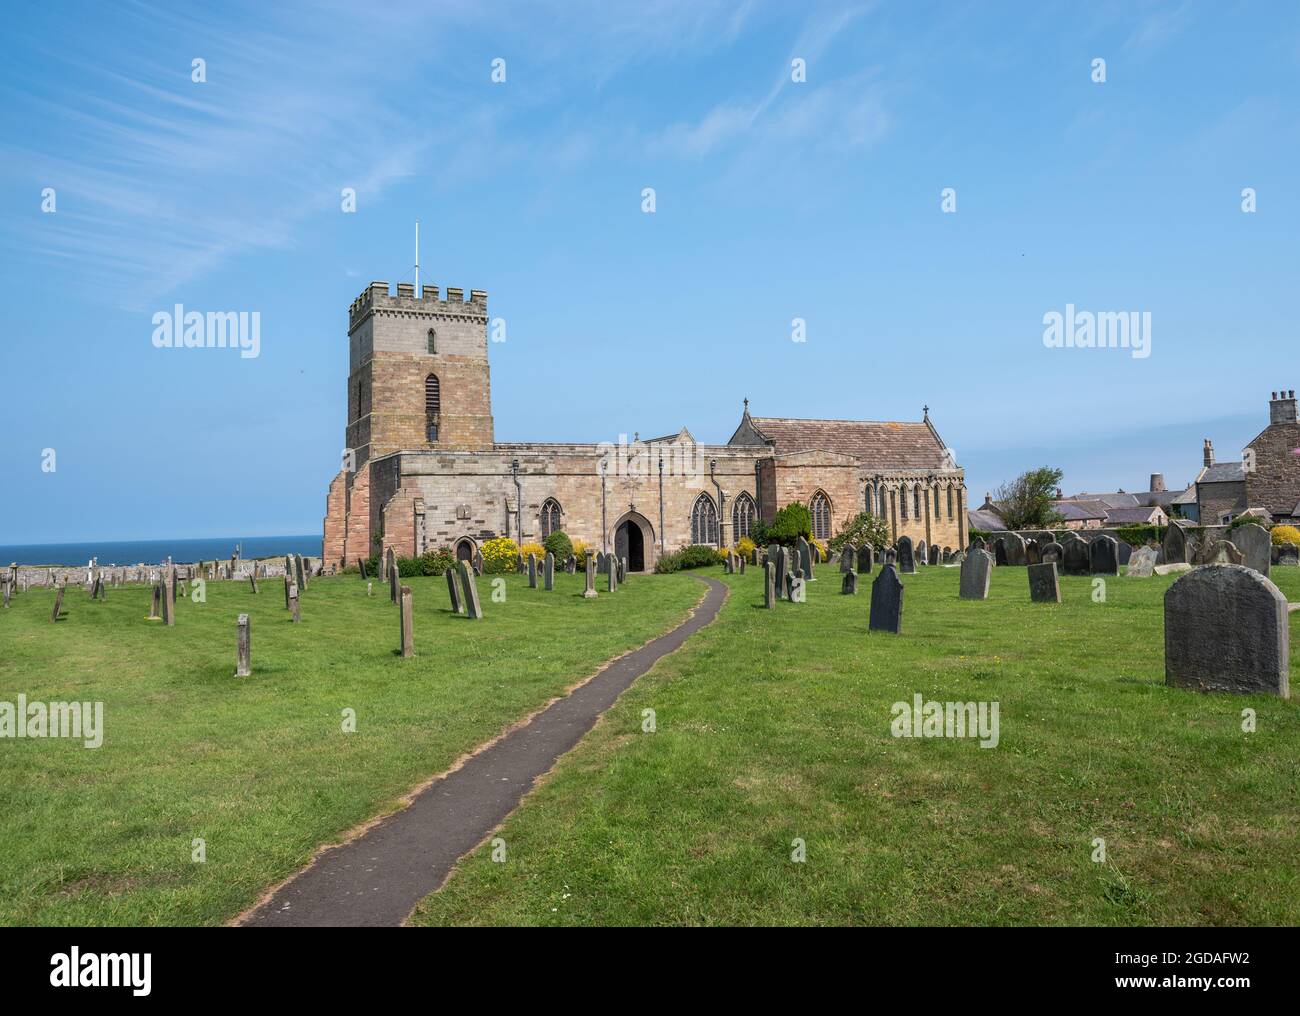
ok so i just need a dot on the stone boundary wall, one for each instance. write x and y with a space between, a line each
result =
37 576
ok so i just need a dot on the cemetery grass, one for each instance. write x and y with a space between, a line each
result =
259 767
773 726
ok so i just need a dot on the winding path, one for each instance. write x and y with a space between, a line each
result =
377 878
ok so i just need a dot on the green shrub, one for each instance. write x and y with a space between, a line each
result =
860 530
698 555
1137 534
791 522
559 544
668 563
435 562
408 567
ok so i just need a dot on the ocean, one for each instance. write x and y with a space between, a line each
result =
114 552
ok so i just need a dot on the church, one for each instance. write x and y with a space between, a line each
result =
423 469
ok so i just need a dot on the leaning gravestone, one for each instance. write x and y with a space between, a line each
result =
866 559
1103 555
58 604
849 587
1256 547
887 601
1173 550
1226 630
453 592
848 556
1142 563
975 573
470 590
1075 557
548 572
906 562
1044 587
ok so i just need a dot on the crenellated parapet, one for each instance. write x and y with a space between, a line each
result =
377 298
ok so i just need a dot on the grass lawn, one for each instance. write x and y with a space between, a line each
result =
775 725
260 767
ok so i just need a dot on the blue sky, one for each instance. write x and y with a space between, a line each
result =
774 200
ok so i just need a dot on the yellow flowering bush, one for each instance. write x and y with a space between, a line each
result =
499 555
1286 534
580 552
821 549
533 548
745 546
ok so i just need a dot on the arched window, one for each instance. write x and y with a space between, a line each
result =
820 506
884 504
743 513
950 501
902 502
916 501
432 405
704 521
869 499
551 513
433 341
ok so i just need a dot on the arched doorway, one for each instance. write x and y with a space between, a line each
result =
465 551
634 539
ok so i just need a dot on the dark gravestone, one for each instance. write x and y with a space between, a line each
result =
921 553
571 564
976 570
889 557
155 608
252 581
1288 555
532 571
243 647
769 585
848 558
1255 545
1226 630
1125 551
1103 555
977 542
936 555
742 564
361 564
1075 559
1051 553
887 601
406 626
906 562
1044 587
1031 552
866 556
776 554
453 592
1015 549
849 587
394 585
58 604
999 552
469 588
548 572
1173 549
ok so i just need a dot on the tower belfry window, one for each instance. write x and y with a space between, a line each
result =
432 405
433 341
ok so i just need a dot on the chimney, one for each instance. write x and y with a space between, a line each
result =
988 500
1281 408
1058 493
1157 482
1207 454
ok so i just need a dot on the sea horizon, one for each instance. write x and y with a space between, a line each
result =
180 549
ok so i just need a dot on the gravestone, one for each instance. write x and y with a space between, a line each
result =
294 612
58 604
1288 555
548 572
798 587
470 590
742 564
519 563
394 583
1031 552
1103 555
1051 553
890 557
1125 551
8 587
804 550
866 559
976 571
361 565
776 555
849 586
243 647
408 635
532 571
1226 630
978 543
1075 558
302 570
478 562
848 558
922 553
590 592
288 581
453 592
622 569
1256 547
906 562
1044 586
1172 569
769 585
936 555
1142 563
156 606
1219 552
1173 549
887 601
571 564
169 597
252 581
611 574
753 556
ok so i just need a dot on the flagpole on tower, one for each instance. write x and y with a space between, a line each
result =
417 259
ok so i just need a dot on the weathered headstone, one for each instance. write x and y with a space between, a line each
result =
406 624
1051 553
848 558
590 592
976 570
394 580
1226 630
453 592
470 588
252 581
532 571
570 564
977 542
293 602
303 569
906 562
611 574
1103 555
807 553
1173 549
849 586
361 566
1214 551
769 585
8 591
866 558
887 601
478 562
1044 586
936 555
1142 562
622 569
1031 552
243 647
169 597
155 609
1256 546
921 553
1075 558
1173 569
776 555
58 604
1288 555
548 572
741 559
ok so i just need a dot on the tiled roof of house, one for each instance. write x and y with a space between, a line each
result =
1080 511
990 522
1126 516
880 445
1222 472
1186 497
1118 499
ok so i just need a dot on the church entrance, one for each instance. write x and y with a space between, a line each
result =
465 551
629 543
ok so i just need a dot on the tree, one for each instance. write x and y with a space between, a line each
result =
862 529
1026 502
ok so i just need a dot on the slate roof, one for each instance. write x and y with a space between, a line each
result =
882 445
1221 472
1080 511
990 522
1119 499
1126 516
1186 497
